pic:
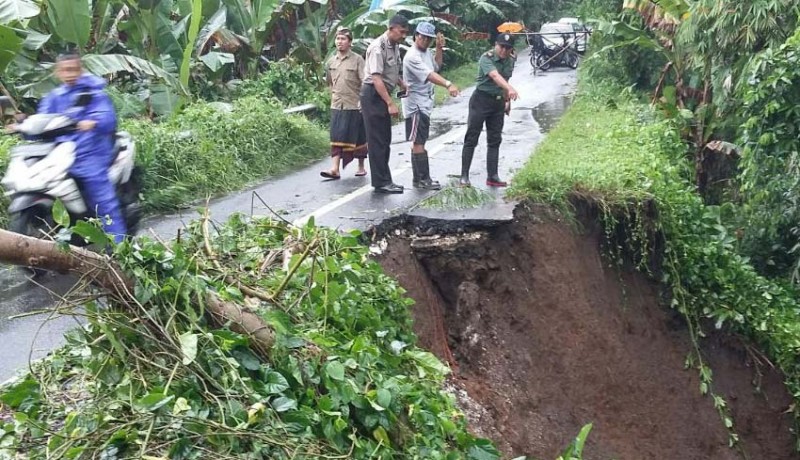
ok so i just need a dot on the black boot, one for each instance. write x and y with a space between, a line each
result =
466 162
422 172
415 169
492 159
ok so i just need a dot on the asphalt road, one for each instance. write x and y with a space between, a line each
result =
347 203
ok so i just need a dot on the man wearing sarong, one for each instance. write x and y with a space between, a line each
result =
344 72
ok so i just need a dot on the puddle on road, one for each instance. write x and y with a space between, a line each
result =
548 114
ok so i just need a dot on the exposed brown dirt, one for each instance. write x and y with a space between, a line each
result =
548 337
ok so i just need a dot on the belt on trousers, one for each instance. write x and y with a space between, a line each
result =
491 96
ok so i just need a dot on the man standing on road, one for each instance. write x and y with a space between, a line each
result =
419 71
488 104
382 75
344 73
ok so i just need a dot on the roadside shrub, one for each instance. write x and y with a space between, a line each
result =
292 84
209 149
154 378
630 164
770 173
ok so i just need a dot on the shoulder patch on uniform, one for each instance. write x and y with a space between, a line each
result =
489 54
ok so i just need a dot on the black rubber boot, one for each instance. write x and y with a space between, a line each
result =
424 169
415 169
466 161
492 160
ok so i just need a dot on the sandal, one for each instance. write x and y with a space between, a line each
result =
361 174
329 175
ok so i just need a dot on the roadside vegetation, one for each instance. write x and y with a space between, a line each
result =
156 377
331 368
682 140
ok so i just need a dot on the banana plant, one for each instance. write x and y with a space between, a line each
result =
14 15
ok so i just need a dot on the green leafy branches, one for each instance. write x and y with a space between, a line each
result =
770 174
154 379
627 162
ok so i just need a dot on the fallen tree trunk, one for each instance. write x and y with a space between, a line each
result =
25 251
103 272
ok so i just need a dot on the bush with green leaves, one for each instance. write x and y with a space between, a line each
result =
213 148
623 159
770 173
152 378
290 82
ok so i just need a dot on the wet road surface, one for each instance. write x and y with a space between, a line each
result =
346 203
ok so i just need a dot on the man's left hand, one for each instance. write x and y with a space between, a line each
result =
86 125
440 40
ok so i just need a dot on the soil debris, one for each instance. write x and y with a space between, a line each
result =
545 336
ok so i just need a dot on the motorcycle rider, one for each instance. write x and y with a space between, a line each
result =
94 139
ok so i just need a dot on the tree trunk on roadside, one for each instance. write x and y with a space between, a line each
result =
103 272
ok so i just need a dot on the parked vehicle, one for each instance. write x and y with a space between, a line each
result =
552 34
38 175
543 57
581 30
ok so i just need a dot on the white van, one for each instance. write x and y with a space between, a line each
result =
580 29
553 34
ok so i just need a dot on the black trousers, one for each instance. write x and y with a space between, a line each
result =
484 108
378 125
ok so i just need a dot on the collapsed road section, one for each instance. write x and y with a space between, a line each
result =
544 335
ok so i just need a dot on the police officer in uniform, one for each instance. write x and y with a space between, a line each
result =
490 102
382 76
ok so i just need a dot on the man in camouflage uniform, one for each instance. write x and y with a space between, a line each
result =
489 104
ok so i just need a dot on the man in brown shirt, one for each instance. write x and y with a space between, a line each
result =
345 72
382 76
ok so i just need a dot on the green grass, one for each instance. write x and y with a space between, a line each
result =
620 156
602 151
455 198
204 151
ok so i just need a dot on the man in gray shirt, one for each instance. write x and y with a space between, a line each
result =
419 71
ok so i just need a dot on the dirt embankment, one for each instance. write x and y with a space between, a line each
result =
547 337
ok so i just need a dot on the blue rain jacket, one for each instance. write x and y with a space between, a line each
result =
95 148
94 151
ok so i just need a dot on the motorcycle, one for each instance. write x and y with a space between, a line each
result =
38 175
544 57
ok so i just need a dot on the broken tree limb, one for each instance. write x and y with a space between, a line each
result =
242 321
103 272
25 251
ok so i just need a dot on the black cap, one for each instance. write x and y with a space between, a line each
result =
505 39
